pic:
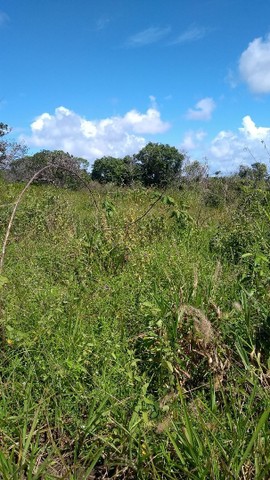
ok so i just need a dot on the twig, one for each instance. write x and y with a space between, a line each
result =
146 212
138 219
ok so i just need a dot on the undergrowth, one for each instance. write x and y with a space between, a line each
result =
135 349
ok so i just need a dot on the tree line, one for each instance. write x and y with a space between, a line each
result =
156 164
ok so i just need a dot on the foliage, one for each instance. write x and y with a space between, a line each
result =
156 164
122 171
257 172
218 192
24 168
135 336
160 164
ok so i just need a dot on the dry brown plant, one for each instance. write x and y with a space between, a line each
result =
195 321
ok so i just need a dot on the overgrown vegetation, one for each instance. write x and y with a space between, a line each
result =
134 322
135 333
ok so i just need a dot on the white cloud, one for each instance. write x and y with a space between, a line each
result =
148 36
225 145
4 18
229 149
192 34
192 139
254 65
149 122
116 136
250 131
203 110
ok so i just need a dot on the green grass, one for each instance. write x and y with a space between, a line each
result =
135 350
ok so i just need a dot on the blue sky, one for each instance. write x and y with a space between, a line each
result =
105 77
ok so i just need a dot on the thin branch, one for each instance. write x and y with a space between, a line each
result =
138 219
146 212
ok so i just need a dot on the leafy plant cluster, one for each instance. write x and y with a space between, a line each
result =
155 164
134 322
135 335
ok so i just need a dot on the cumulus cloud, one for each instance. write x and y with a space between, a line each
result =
250 131
192 139
203 110
116 136
148 36
192 34
254 65
229 149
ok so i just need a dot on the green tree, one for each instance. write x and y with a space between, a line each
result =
122 171
64 166
160 164
257 172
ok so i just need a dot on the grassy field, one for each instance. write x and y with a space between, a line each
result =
135 340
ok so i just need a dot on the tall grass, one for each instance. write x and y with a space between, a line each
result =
134 349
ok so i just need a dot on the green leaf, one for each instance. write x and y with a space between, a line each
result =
168 200
169 365
263 419
245 255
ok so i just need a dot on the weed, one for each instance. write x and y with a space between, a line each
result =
106 371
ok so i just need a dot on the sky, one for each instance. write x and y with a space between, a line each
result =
96 78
